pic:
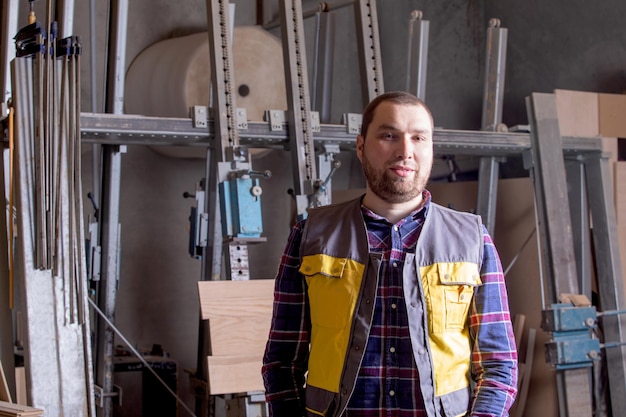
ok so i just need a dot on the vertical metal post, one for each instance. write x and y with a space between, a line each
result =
109 207
488 176
491 119
609 274
418 55
323 68
494 75
299 106
226 153
366 18
579 209
555 231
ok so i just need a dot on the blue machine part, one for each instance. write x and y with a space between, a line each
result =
572 344
241 208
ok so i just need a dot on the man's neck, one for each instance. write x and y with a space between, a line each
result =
394 212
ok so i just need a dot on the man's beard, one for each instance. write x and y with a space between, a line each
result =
394 190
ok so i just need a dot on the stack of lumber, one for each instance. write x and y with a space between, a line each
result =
17 410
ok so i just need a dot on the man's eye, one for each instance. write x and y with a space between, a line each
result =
387 136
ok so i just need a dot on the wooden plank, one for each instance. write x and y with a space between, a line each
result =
239 336
235 298
232 374
611 112
239 315
577 112
10 409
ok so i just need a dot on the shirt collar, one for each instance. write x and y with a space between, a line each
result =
417 214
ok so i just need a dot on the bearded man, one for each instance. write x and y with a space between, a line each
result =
390 304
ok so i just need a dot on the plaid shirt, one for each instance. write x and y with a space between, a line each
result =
388 381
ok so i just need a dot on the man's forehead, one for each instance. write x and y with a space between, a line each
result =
384 114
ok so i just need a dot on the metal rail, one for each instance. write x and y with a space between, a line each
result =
157 131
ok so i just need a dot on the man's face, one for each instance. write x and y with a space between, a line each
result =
397 154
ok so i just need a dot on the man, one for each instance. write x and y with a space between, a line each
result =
391 305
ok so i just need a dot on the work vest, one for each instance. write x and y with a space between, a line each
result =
342 281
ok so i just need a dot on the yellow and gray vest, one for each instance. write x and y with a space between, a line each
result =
342 279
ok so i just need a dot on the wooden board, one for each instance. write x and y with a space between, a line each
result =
239 315
235 298
232 374
612 112
239 335
577 112
9 409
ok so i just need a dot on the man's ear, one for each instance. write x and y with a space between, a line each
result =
360 142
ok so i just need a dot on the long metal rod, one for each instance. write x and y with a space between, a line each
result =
323 68
110 204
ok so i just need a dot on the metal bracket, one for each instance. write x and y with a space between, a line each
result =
276 119
315 122
242 119
100 395
352 121
200 116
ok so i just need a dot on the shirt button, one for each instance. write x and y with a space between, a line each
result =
392 393
394 306
396 228
392 349
395 264
421 351
356 348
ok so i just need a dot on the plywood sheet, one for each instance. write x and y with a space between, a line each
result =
612 115
235 298
239 315
577 112
232 374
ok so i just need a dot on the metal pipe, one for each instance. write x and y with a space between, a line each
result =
323 6
323 65
109 212
418 55
494 75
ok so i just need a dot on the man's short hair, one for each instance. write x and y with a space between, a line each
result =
398 97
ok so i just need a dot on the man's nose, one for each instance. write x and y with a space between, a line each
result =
405 148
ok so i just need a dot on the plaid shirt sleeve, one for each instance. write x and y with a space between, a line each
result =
494 354
286 353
